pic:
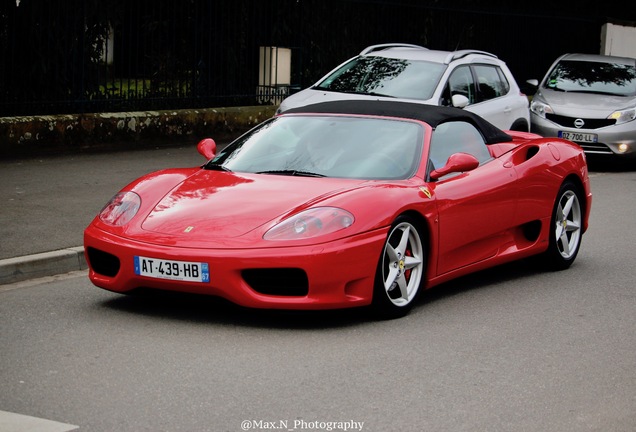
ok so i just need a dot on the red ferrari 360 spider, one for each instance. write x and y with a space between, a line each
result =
345 204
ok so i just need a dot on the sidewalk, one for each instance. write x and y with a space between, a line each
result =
47 202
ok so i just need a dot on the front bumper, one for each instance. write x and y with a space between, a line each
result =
339 274
612 140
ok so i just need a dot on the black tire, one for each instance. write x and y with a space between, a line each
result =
520 126
566 229
401 270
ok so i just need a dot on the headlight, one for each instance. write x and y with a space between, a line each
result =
540 108
120 209
311 223
623 116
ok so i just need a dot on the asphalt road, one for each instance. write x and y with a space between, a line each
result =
47 202
509 349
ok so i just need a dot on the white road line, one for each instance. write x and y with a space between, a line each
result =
11 422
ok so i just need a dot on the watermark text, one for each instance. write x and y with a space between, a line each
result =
301 425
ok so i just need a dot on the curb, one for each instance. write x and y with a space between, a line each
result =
43 264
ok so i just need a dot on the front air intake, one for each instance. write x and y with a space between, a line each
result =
102 262
289 282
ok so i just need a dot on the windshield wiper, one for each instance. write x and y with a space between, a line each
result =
322 88
353 92
555 88
602 93
372 94
292 173
366 93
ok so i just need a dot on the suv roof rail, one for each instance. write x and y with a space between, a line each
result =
463 53
379 47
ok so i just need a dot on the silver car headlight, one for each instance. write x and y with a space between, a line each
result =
623 116
540 108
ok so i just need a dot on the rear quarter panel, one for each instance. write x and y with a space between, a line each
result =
542 165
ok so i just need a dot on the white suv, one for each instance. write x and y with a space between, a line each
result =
474 80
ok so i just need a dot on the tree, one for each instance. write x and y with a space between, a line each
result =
55 47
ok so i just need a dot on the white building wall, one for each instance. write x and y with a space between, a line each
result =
618 40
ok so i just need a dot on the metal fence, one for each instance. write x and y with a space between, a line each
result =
75 56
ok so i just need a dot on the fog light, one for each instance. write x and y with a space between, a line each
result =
622 148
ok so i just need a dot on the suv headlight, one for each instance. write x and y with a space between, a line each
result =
540 108
623 116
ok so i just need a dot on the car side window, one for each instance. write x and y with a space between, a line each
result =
491 82
460 82
457 137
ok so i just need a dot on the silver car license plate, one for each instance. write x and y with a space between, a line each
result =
578 137
173 270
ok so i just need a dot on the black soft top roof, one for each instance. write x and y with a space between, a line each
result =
431 114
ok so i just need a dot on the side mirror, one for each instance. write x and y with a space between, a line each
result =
459 101
457 162
530 87
207 148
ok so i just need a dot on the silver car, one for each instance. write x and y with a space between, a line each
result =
474 80
591 100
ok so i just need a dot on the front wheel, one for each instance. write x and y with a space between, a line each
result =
400 271
566 228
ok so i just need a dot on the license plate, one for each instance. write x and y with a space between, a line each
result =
173 270
578 137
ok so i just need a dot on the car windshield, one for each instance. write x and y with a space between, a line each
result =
386 77
593 77
326 146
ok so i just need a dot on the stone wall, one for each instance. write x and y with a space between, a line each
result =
63 134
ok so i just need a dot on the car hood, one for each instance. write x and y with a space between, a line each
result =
585 105
211 205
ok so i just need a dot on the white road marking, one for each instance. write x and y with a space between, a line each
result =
11 422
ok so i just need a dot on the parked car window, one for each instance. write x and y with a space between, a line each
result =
492 83
457 137
386 76
461 82
594 77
